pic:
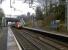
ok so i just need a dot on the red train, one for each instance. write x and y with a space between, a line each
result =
18 25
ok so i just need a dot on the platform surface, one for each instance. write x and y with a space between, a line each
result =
11 43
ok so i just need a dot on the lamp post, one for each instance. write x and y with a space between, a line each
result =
10 4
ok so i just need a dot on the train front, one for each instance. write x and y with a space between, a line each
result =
18 25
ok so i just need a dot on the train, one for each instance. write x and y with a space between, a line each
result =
19 24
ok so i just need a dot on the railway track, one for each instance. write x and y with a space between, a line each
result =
33 41
25 44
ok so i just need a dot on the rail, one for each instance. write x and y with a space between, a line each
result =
29 39
57 36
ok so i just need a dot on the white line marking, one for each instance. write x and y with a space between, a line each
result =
17 42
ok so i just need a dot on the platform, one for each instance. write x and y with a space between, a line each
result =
11 41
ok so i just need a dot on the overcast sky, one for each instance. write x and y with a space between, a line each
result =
21 8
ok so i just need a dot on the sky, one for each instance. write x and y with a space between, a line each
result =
21 8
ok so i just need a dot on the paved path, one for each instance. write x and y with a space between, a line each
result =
3 38
11 43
